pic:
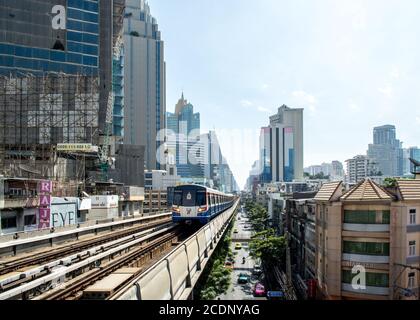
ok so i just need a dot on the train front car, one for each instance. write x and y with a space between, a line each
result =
193 203
190 204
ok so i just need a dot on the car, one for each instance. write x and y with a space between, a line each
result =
257 270
276 295
235 231
238 246
229 264
259 290
243 278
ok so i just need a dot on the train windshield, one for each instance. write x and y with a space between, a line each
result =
201 198
189 198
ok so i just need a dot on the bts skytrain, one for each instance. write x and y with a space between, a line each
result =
197 203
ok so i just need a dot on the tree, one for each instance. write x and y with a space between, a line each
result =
258 217
390 182
268 247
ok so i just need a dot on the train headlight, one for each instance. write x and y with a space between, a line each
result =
202 209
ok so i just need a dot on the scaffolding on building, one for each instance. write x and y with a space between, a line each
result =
39 112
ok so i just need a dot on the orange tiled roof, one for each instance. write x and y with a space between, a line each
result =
409 189
367 190
327 191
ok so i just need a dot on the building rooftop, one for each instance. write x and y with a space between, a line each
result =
409 189
327 191
367 190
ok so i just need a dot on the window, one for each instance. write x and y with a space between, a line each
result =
412 248
411 278
366 248
366 217
188 198
30 220
178 198
412 216
372 279
8 222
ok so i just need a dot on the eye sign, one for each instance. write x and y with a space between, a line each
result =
59 19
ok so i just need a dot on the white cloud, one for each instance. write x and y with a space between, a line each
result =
262 109
418 119
387 91
354 106
246 103
265 86
395 73
305 99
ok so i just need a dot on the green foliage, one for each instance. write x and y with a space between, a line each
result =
265 244
258 217
216 277
268 247
320 176
134 34
390 182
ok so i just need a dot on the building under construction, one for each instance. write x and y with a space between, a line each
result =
36 114
56 72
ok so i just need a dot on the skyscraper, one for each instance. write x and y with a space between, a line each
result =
386 151
183 139
286 135
265 155
145 80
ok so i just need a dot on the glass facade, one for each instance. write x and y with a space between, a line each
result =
289 154
30 43
118 87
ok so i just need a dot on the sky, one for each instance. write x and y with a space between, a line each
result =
351 64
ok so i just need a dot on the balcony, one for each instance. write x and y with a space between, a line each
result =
380 291
19 202
366 227
365 258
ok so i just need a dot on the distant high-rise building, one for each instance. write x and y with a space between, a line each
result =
386 151
184 121
337 170
183 140
265 155
414 154
145 80
286 135
359 168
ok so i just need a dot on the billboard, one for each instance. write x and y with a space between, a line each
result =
75 147
63 212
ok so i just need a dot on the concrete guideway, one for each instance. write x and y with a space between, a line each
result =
175 275
14 246
67 266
